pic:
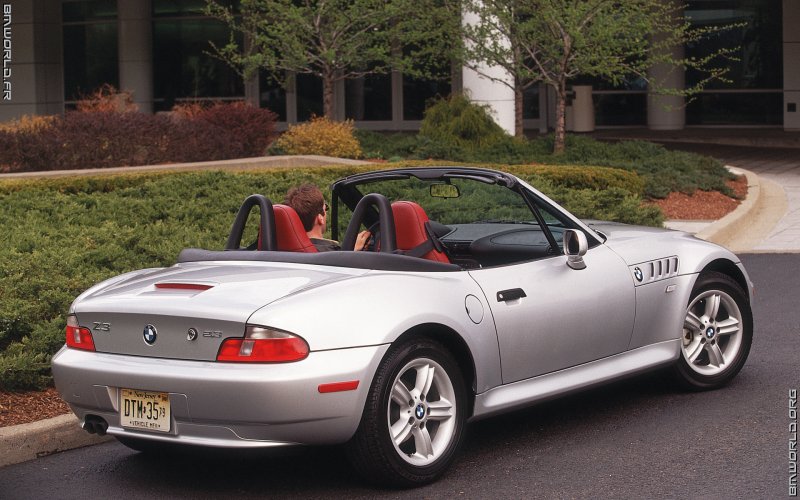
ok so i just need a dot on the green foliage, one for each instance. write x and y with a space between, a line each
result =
662 171
555 42
65 234
457 122
584 177
338 39
612 204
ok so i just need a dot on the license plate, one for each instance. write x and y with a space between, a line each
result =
144 410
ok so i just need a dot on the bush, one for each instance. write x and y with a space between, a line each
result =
320 136
572 177
30 124
661 170
107 99
103 138
246 127
457 121
664 171
386 146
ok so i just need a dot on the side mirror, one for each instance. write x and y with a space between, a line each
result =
575 247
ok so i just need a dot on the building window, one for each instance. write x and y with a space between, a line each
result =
530 103
90 47
418 94
309 96
758 73
369 98
271 95
183 67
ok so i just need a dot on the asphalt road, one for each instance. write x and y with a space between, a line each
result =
638 438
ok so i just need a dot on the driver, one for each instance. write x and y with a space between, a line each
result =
309 204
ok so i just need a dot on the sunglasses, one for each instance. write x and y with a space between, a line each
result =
325 207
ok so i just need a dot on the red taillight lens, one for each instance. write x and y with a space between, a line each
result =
78 337
263 345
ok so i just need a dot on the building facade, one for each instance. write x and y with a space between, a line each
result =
56 51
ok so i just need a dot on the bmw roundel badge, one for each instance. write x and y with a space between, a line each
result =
150 333
639 274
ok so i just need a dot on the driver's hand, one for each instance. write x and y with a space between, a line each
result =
361 240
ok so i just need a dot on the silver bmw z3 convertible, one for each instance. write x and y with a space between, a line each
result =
477 295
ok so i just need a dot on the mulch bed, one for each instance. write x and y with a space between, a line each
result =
703 205
30 406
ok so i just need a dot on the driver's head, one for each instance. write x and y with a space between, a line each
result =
307 201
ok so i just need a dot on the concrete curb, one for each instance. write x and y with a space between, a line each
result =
20 443
238 164
744 228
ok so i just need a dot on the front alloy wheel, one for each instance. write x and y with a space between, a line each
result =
717 332
414 416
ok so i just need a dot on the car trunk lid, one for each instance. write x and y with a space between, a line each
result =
186 311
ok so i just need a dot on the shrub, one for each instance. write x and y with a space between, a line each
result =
107 99
320 136
384 146
460 123
30 124
573 177
246 127
102 138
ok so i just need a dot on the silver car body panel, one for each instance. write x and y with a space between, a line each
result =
536 337
226 404
526 392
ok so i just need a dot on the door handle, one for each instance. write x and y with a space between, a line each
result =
510 294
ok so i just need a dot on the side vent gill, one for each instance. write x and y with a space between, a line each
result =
655 270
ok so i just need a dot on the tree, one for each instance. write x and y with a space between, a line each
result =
338 39
553 41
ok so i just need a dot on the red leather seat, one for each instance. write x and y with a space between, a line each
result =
289 230
409 222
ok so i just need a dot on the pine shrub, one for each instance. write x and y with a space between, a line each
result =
458 122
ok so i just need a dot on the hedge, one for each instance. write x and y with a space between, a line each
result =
62 235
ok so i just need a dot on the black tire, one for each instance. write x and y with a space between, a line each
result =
703 374
373 451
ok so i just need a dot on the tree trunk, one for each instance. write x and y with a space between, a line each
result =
327 95
518 111
559 142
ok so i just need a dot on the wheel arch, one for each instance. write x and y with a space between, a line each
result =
456 345
728 268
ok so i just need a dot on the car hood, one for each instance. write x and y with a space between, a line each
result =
214 299
636 244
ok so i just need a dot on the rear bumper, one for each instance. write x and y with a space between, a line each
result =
225 404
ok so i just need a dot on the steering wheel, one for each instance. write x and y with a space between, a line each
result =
382 230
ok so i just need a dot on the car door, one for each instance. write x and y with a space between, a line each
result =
550 317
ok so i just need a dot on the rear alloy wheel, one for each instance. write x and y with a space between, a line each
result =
413 420
717 333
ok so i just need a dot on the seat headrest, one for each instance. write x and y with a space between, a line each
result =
290 232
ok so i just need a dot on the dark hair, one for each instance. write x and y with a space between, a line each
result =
307 201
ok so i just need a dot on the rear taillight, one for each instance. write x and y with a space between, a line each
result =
263 345
78 337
